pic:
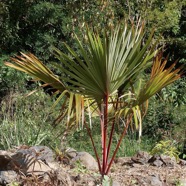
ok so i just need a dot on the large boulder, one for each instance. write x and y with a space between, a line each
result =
34 160
43 153
28 164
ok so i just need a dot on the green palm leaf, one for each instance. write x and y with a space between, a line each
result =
100 80
160 78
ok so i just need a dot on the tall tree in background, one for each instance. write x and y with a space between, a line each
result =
36 25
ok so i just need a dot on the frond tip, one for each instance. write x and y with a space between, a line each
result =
31 65
160 78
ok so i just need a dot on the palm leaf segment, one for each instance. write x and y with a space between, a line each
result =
108 64
31 65
160 78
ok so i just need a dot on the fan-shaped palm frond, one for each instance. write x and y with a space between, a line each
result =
101 79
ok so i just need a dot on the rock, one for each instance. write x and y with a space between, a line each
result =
168 161
7 177
182 162
124 161
5 158
162 160
91 183
157 163
141 157
86 159
64 178
154 180
43 153
71 153
53 165
28 164
46 178
136 165
115 183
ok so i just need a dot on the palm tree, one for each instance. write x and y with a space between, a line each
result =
104 80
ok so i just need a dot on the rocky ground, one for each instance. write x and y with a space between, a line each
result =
39 166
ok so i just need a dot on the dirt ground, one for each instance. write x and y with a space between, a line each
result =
125 172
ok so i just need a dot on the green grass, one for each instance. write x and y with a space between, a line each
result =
26 121
80 141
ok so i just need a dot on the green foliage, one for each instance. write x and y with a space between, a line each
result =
10 79
158 121
179 130
14 183
175 93
47 26
23 121
130 145
166 114
166 147
36 25
97 14
165 16
107 181
80 168
33 26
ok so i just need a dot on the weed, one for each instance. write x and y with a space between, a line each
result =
166 147
107 181
80 168
14 183
25 122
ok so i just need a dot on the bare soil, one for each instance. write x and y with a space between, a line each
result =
125 172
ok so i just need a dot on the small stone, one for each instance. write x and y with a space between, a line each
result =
53 165
155 181
7 177
71 153
141 157
124 161
65 178
115 183
91 183
86 159
168 161
157 163
182 162
136 165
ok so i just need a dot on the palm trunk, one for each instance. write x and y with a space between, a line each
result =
104 124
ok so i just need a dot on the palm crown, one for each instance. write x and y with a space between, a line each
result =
104 77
